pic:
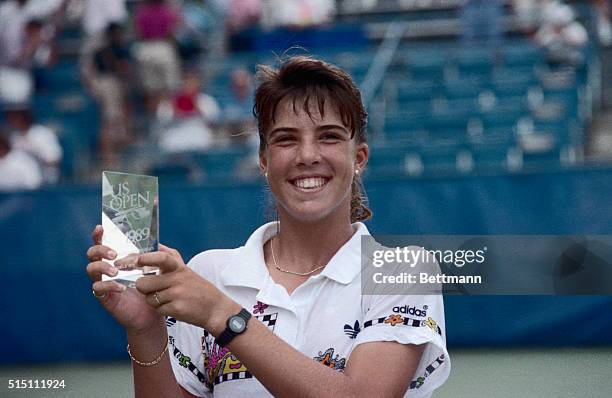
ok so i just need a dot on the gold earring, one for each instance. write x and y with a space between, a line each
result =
357 172
266 174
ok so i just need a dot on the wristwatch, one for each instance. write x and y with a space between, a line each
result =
236 324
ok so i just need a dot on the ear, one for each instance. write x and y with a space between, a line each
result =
263 162
362 153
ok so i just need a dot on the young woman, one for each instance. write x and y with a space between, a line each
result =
249 321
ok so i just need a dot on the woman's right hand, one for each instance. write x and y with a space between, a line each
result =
127 306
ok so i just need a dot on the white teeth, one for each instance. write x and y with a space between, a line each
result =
310 183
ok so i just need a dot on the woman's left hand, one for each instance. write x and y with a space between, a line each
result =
178 291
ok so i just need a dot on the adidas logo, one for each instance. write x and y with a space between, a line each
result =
406 309
352 331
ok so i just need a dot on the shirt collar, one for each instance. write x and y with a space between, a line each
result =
345 265
248 266
250 270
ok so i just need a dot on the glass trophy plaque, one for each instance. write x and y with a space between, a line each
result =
130 218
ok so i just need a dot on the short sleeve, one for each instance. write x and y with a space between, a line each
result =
411 319
185 347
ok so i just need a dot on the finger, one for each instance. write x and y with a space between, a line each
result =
98 252
173 252
150 284
128 262
166 309
155 299
96 235
165 261
167 305
96 269
101 288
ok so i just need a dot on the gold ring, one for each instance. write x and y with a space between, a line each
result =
100 296
157 299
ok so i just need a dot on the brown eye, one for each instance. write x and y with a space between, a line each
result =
331 137
284 139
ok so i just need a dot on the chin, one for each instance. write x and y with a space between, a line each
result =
311 214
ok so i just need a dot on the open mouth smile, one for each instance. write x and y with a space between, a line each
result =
310 184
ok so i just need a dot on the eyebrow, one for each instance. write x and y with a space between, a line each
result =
333 127
319 128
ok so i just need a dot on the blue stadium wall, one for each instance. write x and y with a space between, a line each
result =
49 313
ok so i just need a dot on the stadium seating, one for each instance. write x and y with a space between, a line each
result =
443 106
218 165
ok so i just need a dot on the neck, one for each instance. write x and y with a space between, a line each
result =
302 247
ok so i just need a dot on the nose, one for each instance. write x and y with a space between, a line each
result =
308 152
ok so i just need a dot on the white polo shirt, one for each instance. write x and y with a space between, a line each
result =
325 318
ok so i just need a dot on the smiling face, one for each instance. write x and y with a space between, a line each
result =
311 161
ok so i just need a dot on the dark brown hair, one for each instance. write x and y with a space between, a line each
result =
302 78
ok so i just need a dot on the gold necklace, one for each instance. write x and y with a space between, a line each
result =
291 272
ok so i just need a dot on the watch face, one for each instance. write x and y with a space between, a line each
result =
237 324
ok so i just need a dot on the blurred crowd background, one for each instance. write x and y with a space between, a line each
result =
165 86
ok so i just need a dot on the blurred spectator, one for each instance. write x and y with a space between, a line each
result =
156 53
37 49
25 41
14 16
242 14
561 36
37 140
96 16
482 20
18 170
188 118
111 74
41 51
240 121
297 13
201 29
16 85
604 25
238 110
527 14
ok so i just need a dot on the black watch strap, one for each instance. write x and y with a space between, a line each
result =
228 334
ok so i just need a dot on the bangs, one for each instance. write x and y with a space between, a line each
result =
308 84
305 99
